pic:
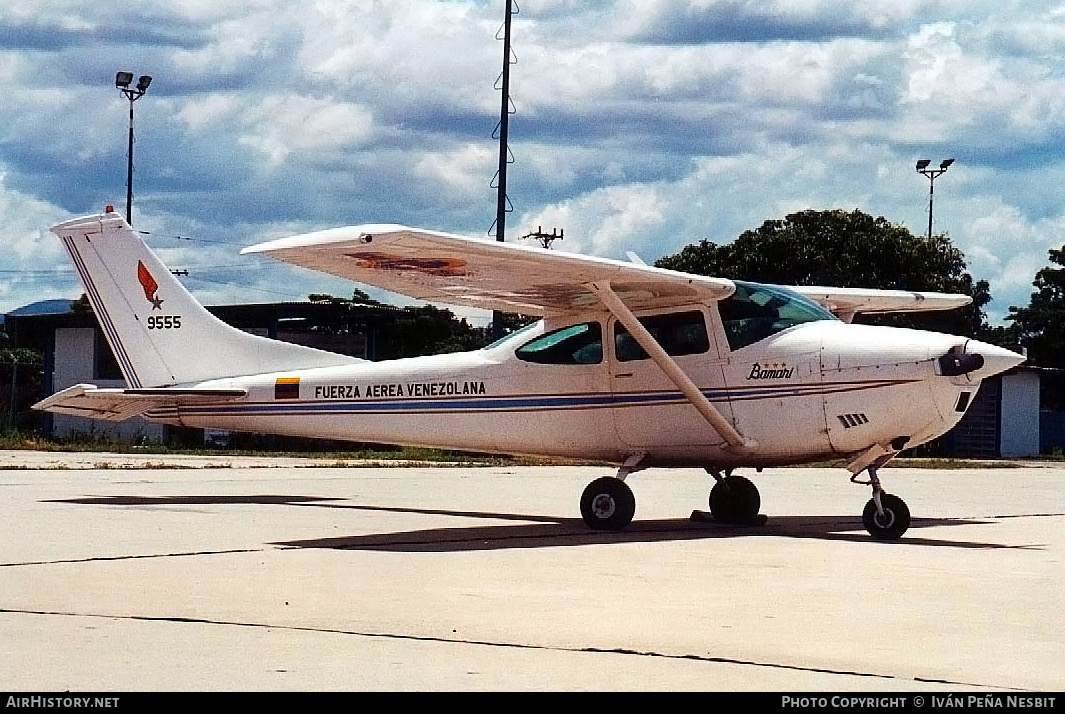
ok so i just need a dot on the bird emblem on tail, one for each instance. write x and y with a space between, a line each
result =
150 286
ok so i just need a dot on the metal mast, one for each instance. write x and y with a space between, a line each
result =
502 130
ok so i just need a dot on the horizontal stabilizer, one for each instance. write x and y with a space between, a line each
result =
87 400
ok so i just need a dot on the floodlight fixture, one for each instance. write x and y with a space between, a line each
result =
932 174
122 82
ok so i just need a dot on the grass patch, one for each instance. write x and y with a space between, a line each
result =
81 443
343 458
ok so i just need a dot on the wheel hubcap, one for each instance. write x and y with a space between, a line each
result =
603 506
885 519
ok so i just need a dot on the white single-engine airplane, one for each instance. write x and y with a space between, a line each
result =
631 364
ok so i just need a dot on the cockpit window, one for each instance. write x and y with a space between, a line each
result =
576 344
757 311
680 333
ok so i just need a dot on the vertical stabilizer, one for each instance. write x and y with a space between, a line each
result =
158 332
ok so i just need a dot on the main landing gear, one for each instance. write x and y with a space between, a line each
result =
886 516
734 499
607 504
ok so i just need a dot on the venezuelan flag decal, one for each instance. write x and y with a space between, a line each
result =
287 388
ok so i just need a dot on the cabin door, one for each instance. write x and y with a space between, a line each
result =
650 410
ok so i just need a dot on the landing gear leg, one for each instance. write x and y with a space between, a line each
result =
886 517
734 499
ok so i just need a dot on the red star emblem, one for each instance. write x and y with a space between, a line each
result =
150 286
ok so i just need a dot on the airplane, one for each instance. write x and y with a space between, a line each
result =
630 364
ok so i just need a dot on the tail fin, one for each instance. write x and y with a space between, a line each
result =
158 332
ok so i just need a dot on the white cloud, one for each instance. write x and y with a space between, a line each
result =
605 222
32 264
279 125
632 132
462 169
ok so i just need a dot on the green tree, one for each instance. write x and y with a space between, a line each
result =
358 297
426 330
840 249
406 332
21 383
1040 328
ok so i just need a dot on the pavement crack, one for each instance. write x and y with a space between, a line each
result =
620 651
132 557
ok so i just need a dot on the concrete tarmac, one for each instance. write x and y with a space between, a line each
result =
215 574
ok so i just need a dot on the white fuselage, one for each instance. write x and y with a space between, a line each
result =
807 392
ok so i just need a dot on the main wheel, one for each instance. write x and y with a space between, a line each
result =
607 504
734 499
892 523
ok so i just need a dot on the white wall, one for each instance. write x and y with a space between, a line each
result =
75 353
1020 414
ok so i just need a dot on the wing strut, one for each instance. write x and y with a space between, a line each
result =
650 345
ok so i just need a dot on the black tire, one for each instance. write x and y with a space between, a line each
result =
734 499
607 504
892 524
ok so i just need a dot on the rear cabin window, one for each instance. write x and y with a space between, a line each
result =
576 344
754 312
680 333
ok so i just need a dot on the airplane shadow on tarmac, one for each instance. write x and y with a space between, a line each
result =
554 532
537 531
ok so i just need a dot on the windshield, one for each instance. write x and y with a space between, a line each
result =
756 311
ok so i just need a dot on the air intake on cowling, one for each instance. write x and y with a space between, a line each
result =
852 420
956 363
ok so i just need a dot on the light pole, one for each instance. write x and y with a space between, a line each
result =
122 81
932 174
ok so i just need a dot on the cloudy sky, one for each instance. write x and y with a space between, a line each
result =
640 125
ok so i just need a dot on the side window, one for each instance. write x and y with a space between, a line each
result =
576 344
681 333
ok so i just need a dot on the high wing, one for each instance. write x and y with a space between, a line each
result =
117 404
847 302
441 267
447 268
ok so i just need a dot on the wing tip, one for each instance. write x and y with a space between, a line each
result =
325 237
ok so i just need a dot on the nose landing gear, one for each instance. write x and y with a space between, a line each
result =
886 516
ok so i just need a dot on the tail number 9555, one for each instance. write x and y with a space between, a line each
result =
164 322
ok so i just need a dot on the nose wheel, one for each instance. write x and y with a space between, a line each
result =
886 516
889 520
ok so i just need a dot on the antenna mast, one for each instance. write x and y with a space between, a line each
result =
503 205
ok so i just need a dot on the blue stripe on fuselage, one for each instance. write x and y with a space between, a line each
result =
524 403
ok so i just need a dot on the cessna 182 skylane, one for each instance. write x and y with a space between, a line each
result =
631 364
